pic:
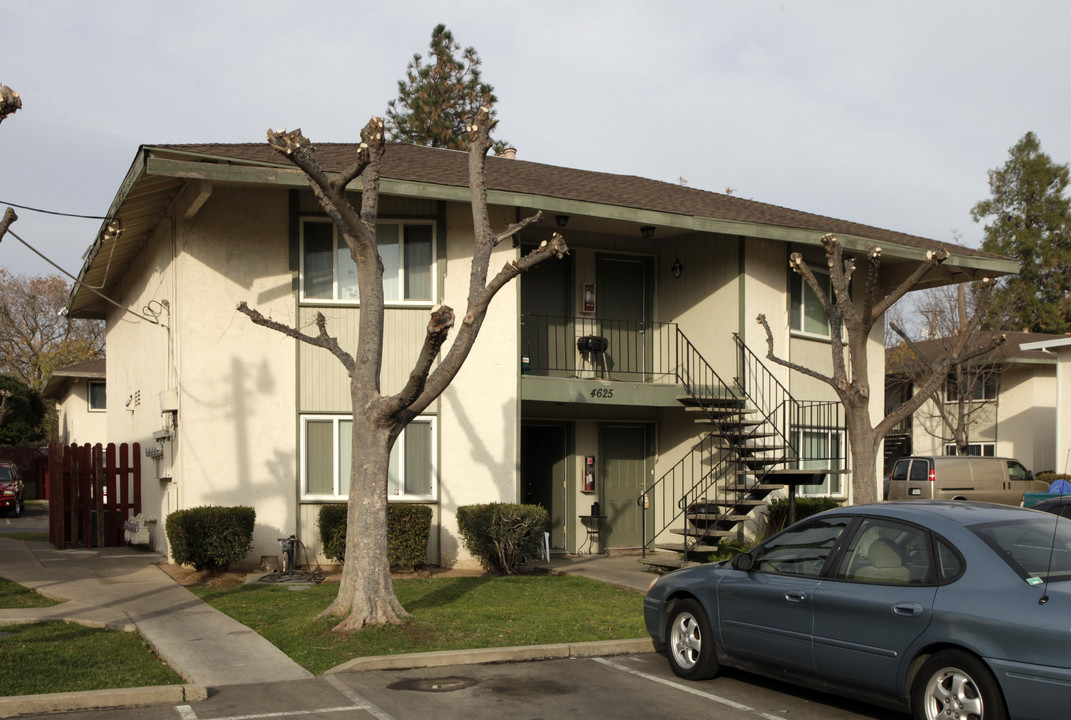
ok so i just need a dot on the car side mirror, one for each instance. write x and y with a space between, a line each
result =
744 562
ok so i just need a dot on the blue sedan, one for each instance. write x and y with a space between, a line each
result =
948 610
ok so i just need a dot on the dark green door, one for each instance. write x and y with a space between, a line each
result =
546 317
544 453
624 287
625 466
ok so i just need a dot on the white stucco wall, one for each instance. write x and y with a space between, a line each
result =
235 441
237 438
76 422
479 430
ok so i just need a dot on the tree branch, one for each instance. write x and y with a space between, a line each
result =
9 218
442 319
10 102
322 340
518 226
785 363
933 258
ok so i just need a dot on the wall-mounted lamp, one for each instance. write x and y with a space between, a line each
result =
562 220
676 269
647 231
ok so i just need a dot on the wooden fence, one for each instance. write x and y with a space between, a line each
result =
93 491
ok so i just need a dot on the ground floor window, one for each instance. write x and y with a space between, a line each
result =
985 449
821 449
326 459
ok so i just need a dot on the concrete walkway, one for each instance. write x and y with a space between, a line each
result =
121 588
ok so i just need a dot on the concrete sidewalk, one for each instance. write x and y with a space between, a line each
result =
122 589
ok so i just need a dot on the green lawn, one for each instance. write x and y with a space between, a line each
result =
64 657
447 614
26 536
13 595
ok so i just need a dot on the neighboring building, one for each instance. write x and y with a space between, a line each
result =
577 391
1013 397
1059 349
80 394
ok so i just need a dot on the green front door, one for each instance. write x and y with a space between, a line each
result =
624 452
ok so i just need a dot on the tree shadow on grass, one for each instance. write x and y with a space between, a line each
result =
438 593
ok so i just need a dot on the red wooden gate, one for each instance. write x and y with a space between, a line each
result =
94 490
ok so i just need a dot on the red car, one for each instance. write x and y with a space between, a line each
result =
11 490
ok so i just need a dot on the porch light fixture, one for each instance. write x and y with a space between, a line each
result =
562 220
647 231
677 269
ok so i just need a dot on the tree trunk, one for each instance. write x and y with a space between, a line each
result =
366 590
864 449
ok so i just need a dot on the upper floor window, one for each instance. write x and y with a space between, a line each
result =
98 398
328 272
806 314
979 386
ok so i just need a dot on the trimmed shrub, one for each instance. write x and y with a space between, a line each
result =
805 507
408 528
502 535
333 532
1051 477
210 537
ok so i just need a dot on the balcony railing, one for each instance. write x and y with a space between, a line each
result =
570 347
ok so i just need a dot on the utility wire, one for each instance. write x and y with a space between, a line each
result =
77 283
55 212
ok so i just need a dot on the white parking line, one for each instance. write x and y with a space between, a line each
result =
186 712
685 688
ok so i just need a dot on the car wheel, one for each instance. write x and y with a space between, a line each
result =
690 642
955 685
16 511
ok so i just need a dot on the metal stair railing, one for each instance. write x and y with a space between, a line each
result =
705 389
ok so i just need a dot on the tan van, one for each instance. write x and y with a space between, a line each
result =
989 479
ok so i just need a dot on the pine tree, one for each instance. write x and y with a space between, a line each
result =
438 99
1028 218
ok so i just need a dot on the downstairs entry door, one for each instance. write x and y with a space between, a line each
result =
544 456
624 455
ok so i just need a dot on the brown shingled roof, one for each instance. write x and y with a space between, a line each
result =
450 167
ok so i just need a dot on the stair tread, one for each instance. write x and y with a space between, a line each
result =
707 533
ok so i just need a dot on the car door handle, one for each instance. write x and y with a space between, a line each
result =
907 609
795 596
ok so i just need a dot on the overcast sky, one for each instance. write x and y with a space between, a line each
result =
888 114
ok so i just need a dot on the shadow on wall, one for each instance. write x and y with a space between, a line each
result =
499 467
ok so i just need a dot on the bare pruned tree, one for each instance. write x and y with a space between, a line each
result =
10 102
851 320
366 593
965 399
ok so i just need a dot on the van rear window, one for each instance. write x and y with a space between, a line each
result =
920 471
899 471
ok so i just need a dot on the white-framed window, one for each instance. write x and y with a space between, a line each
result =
407 247
822 449
806 314
326 459
979 387
981 449
98 396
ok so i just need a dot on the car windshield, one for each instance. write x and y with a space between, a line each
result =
5 474
1038 549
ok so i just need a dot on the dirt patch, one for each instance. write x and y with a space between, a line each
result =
189 577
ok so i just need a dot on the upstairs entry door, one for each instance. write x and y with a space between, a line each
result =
624 289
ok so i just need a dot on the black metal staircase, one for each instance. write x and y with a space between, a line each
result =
747 453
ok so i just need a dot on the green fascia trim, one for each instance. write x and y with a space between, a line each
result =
594 392
263 174
133 175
